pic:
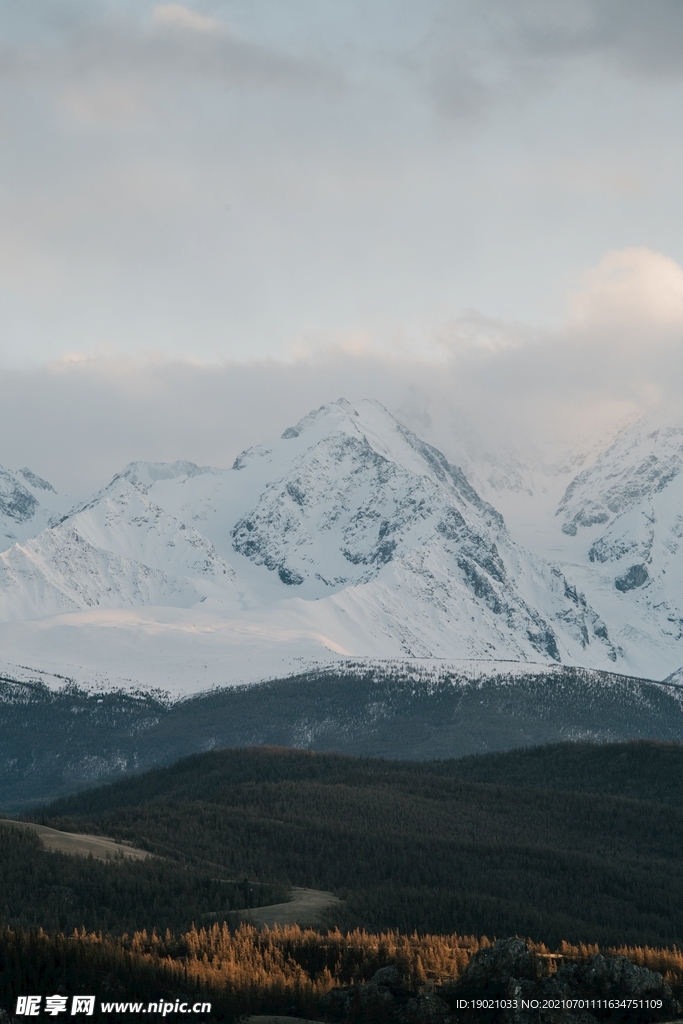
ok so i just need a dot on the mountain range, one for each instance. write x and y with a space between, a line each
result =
56 741
347 538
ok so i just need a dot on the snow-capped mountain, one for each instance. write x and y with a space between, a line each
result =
363 507
27 504
621 527
347 537
118 550
640 464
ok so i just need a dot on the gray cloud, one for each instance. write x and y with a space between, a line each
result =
480 52
472 52
224 180
174 43
645 38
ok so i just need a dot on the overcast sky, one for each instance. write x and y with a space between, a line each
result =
216 215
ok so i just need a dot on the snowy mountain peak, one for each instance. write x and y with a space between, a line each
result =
371 423
349 536
118 550
353 491
27 503
622 540
642 461
368 418
352 504
327 414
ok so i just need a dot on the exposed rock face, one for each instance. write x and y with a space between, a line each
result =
496 968
16 502
383 998
634 577
27 504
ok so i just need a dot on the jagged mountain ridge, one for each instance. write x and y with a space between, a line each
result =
621 523
117 550
349 533
27 504
641 463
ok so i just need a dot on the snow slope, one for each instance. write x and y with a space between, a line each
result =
347 537
118 550
618 533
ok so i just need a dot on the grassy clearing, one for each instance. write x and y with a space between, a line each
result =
78 843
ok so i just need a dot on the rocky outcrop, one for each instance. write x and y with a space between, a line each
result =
382 999
510 984
385 999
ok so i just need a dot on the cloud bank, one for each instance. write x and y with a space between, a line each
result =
481 385
218 180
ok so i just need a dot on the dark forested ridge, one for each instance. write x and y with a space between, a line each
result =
53 743
58 742
572 842
389 713
639 770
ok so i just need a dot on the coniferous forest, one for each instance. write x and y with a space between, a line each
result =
423 846
576 846
284 971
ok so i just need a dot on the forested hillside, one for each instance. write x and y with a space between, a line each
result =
60 892
575 843
639 770
58 742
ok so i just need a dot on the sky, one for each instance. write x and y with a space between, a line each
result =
217 215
